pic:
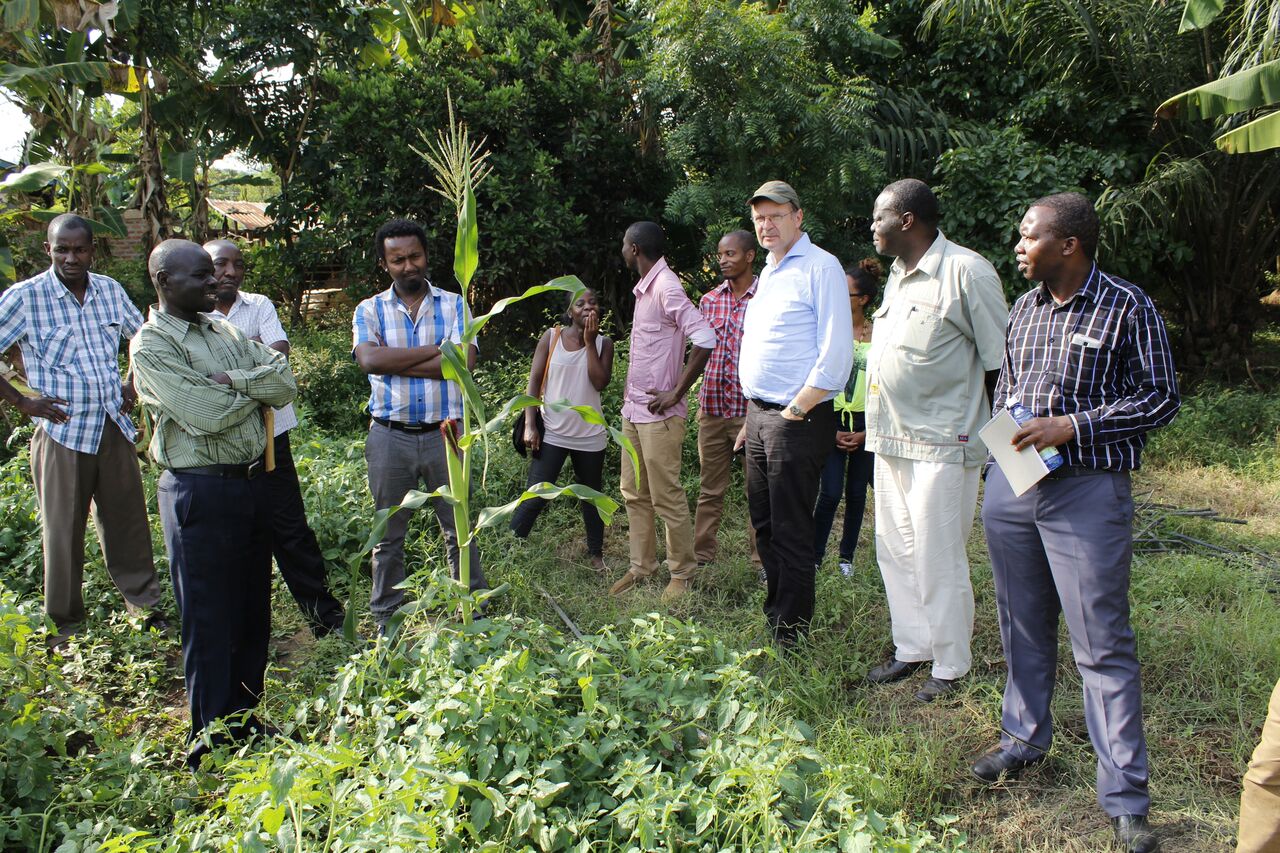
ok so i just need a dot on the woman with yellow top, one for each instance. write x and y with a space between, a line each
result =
849 466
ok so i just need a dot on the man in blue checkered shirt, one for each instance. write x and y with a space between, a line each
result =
1088 355
396 338
68 323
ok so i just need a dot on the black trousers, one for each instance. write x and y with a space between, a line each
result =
588 469
218 535
294 546
784 462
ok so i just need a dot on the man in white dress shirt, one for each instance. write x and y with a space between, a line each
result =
293 543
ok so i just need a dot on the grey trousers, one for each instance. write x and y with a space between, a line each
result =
399 462
71 486
1065 547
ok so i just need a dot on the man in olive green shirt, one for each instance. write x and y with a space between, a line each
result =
203 386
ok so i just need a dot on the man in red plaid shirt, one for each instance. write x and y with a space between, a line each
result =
722 410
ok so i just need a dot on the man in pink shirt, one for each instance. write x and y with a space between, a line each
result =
654 409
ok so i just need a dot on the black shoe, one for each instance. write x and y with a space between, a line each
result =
326 627
1134 834
893 670
936 687
157 621
999 763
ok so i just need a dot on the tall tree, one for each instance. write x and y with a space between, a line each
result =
746 94
1194 225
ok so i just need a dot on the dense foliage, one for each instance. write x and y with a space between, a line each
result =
505 736
599 114
652 732
565 171
744 95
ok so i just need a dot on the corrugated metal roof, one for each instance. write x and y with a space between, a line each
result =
247 214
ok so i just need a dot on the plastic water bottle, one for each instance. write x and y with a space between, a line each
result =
1021 414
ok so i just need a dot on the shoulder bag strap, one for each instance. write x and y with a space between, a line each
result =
546 368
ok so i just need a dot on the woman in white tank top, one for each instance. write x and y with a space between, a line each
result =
581 365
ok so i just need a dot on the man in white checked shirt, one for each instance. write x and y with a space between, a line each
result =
396 341
69 323
293 543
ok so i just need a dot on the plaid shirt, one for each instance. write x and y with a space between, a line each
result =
255 315
1101 359
384 320
71 351
721 393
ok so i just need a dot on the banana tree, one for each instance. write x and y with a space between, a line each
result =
1253 81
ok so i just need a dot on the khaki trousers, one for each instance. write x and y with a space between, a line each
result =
658 446
715 460
69 487
1260 800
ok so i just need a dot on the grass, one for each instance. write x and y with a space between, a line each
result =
1208 632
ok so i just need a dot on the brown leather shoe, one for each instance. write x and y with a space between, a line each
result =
675 589
624 583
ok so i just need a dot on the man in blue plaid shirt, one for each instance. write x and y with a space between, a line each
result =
1088 355
396 340
68 323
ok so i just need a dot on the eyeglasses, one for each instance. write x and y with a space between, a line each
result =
775 218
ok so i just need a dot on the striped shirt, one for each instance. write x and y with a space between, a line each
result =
255 315
71 351
194 420
721 393
1102 359
385 321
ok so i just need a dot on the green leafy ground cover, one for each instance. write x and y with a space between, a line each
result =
669 731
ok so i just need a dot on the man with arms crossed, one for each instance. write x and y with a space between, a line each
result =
797 350
1089 357
935 351
292 541
722 410
654 409
68 323
397 337
204 386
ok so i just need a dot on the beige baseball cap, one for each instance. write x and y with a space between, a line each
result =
776 191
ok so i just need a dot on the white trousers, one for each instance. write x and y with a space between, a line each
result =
924 513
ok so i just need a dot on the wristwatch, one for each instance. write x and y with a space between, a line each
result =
796 411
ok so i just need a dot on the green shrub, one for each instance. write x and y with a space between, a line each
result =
506 736
132 275
20 550
38 713
984 190
332 392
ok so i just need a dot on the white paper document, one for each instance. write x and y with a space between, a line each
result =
1022 468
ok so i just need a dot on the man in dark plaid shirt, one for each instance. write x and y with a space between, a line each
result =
722 410
1088 355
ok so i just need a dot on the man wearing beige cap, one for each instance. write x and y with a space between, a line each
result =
796 353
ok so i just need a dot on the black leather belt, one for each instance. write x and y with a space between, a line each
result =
1066 471
403 427
229 472
767 406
